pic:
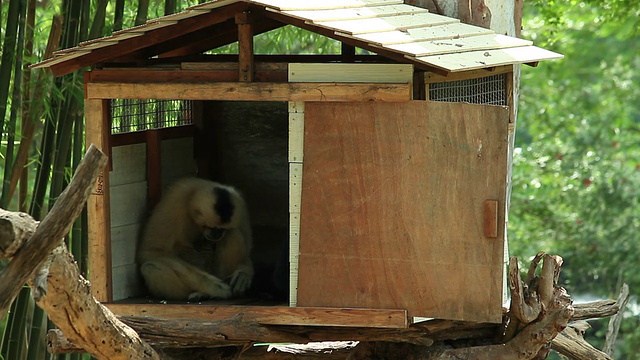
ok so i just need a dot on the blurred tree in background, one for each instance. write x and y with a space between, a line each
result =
577 164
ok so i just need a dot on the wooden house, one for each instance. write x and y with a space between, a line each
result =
383 175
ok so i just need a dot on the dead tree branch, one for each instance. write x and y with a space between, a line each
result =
33 254
614 323
68 302
572 344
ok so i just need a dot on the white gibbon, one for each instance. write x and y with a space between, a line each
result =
196 243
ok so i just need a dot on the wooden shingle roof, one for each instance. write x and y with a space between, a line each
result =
390 28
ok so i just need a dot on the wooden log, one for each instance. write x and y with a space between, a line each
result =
15 229
237 331
68 301
595 309
33 253
522 308
570 342
525 345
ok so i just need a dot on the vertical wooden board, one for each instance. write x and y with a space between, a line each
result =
296 136
128 204
97 132
128 164
177 160
126 282
124 240
128 200
392 208
295 193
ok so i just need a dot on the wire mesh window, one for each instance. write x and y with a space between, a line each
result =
129 115
490 90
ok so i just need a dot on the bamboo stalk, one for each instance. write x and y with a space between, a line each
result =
34 110
16 105
143 12
118 16
97 27
8 53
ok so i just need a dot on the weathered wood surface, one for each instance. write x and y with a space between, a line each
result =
15 229
98 205
570 342
28 261
271 315
405 224
251 91
228 338
595 309
60 289
615 321
183 333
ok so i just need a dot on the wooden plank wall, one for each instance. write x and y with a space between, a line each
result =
129 204
128 190
393 208
340 73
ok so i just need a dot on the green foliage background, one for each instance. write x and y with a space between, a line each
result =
576 179
577 165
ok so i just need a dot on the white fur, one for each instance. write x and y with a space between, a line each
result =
172 265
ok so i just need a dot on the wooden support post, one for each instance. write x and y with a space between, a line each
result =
245 45
348 53
99 220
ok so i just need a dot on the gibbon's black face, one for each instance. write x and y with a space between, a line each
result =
224 205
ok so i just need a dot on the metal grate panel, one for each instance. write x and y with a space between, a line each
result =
490 90
129 115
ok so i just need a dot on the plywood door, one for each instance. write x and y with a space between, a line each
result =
392 208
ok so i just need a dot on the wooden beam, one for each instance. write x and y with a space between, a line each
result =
271 315
245 46
252 91
28 264
205 43
222 32
151 38
266 74
430 77
348 52
139 137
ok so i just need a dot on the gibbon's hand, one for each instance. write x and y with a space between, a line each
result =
218 290
240 282
214 234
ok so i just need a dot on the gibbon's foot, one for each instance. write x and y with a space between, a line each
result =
240 282
218 290
198 296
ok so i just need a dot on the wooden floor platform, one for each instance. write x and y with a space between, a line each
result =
262 312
